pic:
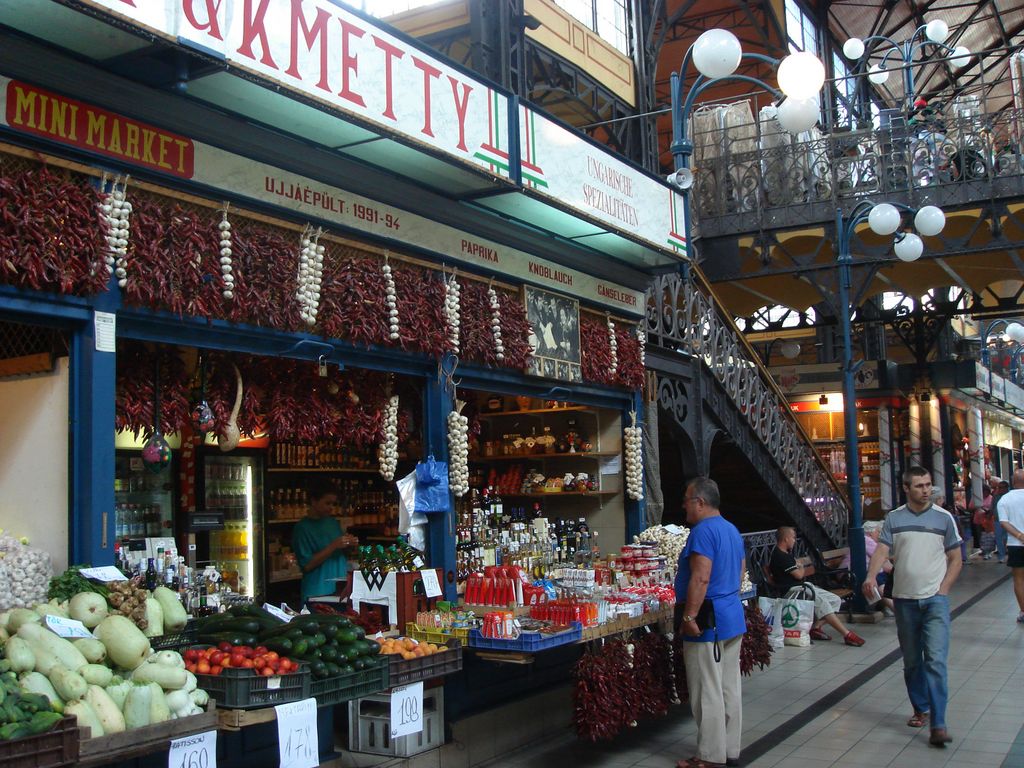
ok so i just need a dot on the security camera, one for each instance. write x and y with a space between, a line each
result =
683 178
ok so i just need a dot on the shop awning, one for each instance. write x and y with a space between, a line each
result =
347 83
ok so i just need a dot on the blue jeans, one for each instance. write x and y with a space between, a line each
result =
923 630
1001 541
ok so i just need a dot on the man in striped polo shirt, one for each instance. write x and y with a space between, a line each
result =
923 542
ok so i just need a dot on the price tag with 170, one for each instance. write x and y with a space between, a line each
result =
406 709
298 740
196 751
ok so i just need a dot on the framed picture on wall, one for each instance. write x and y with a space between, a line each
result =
554 334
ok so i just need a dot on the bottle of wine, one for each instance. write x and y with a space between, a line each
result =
411 558
151 575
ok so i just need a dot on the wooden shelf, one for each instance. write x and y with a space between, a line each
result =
535 411
544 456
338 471
557 494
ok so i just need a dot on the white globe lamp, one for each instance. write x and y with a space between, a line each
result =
1015 331
936 30
717 53
908 247
801 75
929 221
853 48
960 55
878 74
791 349
799 115
884 219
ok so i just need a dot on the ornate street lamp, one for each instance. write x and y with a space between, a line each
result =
883 219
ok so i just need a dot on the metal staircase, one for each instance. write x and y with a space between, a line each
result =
738 394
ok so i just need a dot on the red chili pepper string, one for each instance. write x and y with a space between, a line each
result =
135 394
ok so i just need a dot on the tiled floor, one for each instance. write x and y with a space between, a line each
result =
866 726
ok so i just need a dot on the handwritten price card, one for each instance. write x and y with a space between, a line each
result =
297 735
406 709
196 751
67 627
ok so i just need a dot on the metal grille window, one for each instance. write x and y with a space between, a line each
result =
605 17
800 29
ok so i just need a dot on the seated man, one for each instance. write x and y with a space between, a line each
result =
789 576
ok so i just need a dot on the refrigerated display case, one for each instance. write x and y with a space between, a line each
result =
144 501
233 486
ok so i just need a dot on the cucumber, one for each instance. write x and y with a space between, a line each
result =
234 638
280 645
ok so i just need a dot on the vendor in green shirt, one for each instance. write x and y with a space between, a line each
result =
319 543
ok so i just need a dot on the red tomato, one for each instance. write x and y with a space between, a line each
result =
192 654
247 664
190 667
226 662
266 671
258 662
261 650
203 668
216 669
246 651
224 646
217 658
271 656
284 665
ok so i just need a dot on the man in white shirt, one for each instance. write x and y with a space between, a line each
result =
1011 518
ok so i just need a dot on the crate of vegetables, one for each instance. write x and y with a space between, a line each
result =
412 661
354 681
176 641
242 677
48 749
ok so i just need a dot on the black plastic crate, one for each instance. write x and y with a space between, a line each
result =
352 685
244 689
404 671
176 641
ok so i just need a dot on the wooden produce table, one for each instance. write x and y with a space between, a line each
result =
119 747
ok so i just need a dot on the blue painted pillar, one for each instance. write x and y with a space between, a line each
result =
437 404
91 428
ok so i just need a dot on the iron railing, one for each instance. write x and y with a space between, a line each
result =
752 175
684 315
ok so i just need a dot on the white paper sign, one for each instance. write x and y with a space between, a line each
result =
277 613
196 751
406 709
67 627
611 465
297 735
430 585
674 529
105 324
103 573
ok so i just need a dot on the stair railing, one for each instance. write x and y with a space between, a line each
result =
684 314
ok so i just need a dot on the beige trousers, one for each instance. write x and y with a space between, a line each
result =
715 698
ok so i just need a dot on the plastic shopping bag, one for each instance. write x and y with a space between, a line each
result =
797 619
432 493
771 608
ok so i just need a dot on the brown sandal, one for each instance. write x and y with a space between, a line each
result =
918 720
696 762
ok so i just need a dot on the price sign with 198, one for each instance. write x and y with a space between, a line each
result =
407 709
298 740
196 751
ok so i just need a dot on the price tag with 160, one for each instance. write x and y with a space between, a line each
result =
406 709
298 741
196 751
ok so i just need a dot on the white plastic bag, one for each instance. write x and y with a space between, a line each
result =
797 619
771 608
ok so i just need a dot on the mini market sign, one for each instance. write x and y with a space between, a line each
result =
321 51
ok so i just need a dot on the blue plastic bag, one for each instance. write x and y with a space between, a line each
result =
432 495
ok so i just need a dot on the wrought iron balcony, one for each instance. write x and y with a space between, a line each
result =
683 315
750 175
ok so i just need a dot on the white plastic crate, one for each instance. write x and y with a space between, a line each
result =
369 725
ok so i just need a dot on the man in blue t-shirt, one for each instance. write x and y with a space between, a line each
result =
319 543
711 568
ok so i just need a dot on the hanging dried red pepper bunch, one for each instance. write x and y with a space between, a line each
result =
173 263
679 670
653 672
756 648
630 373
352 301
135 394
606 693
421 296
476 337
51 232
264 263
595 349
